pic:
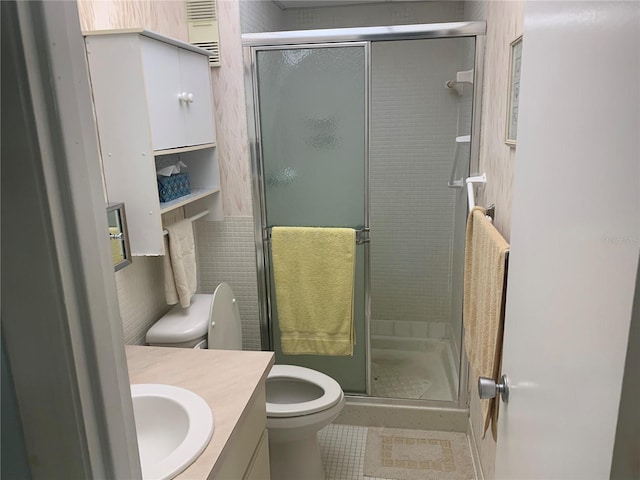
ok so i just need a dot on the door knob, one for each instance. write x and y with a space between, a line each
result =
488 388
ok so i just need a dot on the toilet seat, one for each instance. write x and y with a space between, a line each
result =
331 396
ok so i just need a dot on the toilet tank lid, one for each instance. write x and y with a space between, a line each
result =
183 324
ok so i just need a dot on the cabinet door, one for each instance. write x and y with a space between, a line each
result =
259 468
162 81
198 111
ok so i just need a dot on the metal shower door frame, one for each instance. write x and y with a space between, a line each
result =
348 37
265 289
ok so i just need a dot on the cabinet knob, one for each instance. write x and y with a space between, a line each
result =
189 97
182 96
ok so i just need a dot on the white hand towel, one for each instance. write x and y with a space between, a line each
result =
180 273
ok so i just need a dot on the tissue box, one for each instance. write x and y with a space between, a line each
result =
173 186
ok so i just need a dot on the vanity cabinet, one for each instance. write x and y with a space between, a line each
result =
233 383
246 455
153 107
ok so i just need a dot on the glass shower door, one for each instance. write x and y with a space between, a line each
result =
313 137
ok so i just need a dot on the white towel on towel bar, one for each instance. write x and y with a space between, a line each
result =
180 273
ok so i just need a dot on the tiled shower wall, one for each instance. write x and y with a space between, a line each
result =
413 212
260 16
391 13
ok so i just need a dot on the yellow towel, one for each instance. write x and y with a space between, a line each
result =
180 273
116 246
484 294
314 278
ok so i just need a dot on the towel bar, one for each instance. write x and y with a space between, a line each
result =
362 235
191 219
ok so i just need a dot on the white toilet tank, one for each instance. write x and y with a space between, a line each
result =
183 327
211 320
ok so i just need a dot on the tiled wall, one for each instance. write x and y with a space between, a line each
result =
260 16
414 122
392 13
504 24
226 253
141 297
409 329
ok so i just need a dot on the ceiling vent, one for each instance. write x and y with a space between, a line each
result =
202 19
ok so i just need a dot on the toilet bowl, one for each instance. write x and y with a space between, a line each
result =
300 401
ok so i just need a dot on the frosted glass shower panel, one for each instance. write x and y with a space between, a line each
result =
312 115
312 104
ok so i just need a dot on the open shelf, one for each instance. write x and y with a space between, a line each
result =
196 194
191 148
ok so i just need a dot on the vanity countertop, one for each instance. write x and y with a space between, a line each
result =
226 379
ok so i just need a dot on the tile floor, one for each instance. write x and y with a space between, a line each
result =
342 448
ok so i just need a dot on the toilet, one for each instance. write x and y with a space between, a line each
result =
300 401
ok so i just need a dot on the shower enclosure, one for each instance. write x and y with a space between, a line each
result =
360 128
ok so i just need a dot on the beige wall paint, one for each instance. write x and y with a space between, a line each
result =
167 17
231 116
504 24
497 160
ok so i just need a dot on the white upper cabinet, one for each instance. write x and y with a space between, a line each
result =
178 93
153 107
194 76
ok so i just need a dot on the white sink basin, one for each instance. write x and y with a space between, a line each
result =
173 426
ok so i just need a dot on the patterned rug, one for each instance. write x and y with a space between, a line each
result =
417 455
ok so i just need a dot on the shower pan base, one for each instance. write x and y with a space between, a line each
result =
421 369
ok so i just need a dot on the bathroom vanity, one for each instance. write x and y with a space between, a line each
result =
233 384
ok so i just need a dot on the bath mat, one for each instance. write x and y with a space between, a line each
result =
417 455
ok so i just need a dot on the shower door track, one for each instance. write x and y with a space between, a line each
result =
348 37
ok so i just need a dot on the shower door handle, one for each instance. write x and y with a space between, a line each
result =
488 388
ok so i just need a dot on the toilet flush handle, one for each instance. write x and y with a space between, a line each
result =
488 388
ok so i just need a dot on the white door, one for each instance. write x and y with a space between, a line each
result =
574 242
